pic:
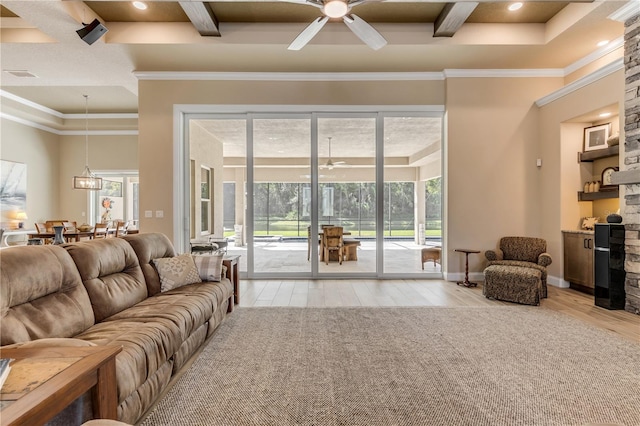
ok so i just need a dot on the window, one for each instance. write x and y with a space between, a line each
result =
205 200
117 200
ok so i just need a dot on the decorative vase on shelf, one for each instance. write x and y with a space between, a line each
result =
586 187
58 238
596 186
592 186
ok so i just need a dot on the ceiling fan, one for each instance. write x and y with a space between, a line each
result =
330 164
339 9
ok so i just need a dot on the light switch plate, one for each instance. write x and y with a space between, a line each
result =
148 213
159 213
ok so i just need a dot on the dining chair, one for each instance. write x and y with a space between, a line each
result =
42 229
333 242
121 228
51 223
100 230
69 227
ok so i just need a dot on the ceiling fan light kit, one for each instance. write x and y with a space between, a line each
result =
339 9
335 8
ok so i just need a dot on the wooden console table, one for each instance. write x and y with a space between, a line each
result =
231 262
44 381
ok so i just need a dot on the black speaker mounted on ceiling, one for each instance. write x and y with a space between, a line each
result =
92 32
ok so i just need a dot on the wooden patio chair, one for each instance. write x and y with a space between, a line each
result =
333 243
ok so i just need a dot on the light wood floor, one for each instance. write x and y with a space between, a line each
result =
333 293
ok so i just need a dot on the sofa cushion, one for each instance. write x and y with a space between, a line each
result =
111 274
176 271
41 295
209 266
146 345
187 307
148 247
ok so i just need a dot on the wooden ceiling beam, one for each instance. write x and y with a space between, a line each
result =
452 17
202 17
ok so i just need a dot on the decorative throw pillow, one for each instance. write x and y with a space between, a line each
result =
176 271
209 266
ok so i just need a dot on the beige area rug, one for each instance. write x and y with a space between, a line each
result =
511 365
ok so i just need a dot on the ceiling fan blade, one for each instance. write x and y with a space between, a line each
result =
308 33
365 32
315 3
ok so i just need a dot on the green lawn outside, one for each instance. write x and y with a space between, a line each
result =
286 228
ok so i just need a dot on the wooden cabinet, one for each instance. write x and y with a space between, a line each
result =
578 260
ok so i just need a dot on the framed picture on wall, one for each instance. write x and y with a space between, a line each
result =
595 137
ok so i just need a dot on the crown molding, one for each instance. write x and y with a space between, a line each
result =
627 11
48 129
29 123
102 116
289 76
503 73
98 116
98 133
614 66
594 56
30 104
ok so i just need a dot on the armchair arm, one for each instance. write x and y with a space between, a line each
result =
544 259
493 254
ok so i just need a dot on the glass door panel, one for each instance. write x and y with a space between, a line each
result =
281 195
412 169
346 194
218 158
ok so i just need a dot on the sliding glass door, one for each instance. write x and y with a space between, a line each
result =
346 193
281 201
412 207
276 181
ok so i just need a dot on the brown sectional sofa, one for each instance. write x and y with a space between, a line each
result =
107 292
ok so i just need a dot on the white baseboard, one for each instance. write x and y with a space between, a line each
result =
557 282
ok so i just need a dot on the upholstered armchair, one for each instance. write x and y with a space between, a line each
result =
522 251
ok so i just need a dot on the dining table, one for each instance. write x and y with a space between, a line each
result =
67 235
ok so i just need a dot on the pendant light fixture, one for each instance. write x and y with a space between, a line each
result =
87 180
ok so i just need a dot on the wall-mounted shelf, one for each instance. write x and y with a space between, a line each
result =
591 196
600 153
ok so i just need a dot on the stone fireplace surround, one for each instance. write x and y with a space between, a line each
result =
630 177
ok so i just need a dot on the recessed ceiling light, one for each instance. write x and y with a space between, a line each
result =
140 5
605 114
603 43
515 6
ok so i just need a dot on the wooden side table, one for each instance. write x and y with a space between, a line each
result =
466 281
43 381
231 262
